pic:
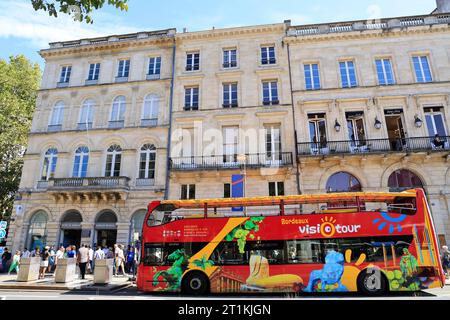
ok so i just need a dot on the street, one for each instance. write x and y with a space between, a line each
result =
131 293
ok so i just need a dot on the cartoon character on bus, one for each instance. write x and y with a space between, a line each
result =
331 273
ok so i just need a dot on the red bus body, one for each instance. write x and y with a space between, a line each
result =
413 267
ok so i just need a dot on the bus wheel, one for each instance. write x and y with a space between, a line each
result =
372 282
195 283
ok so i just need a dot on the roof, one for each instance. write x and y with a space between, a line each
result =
293 199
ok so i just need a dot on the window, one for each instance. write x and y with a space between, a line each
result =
80 163
56 119
304 251
317 131
435 122
124 69
191 98
227 190
312 78
273 142
65 74
154 66
272 251
276 189
230 95
384 71
86 115
147 162
268 55
227 253
356 131
94 71
150 110
193 61
343 182
270 93
403 179
118 111
187 191
422 69
230 143
49 167
348 74
113 161
229 58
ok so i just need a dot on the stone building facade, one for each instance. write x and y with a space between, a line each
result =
298 109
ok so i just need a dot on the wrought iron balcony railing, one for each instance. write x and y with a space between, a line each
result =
260 160
88 183
374 146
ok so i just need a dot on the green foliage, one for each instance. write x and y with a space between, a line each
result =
203 263
19 81
241 232
80 10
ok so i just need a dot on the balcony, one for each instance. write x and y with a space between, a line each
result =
84 126
91 82
54 127
116 124
149 122
153 76
62 84
224 162
406 145
106 188
121 79
271 102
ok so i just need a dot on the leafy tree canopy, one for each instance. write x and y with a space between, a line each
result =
80 10
19 82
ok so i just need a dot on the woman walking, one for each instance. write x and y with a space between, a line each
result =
15 263
44 262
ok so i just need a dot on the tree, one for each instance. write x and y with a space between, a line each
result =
80 10
19 82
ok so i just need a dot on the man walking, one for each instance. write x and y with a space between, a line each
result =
6 256
26 253
91 259
83 259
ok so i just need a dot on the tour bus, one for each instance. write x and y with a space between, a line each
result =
370 242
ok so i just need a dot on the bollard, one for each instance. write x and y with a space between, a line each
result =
29 269
65 270
103 271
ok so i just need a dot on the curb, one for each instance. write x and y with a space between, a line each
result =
85 287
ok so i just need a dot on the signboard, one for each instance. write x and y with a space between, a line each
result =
3 225
237 189
393 111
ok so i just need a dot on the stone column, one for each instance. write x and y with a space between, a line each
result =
160 167
96 163
52 234
87 238
123 232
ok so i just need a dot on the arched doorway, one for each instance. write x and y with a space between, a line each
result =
71 229
343 182
37 232
106 229
136 225
403 179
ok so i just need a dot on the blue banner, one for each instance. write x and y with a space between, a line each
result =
237 189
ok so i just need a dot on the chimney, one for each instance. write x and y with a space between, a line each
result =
443 6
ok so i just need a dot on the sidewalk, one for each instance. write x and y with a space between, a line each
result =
9 282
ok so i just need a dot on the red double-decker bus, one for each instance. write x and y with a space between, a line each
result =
372 242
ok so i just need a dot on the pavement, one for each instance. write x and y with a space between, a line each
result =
48 283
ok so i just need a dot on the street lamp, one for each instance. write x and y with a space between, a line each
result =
418 123
243 158
337 126
377 123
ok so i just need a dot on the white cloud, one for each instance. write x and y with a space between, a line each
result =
18 19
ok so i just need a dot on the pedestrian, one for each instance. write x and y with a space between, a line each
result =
99 253
44 262
59 255
91 259
125 253
445 258
120 259
33 252
83 260
51 260
68 249
110 255
15 263
72 252
130 260
26 253
6 256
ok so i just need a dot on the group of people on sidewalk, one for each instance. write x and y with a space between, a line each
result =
125 261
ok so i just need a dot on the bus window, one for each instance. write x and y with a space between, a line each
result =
273 251
304 251
403 205
162 214
227 253
153 254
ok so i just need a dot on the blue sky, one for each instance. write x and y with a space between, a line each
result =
22 30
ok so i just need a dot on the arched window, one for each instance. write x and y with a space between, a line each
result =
118 109
80 163
147 162
113 161
403 179
57 117
49 167
86 114
37 231
343 182
150 110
